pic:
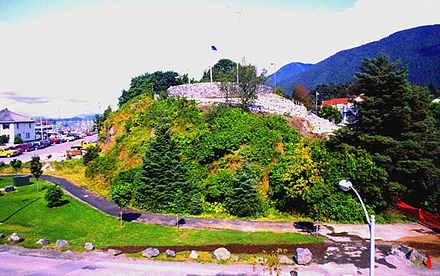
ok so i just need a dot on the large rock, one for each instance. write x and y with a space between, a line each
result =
221 254
194 254
14 237
2 235
113 252
61 243
150 252
170 253
283 259
88 246
43 241
9 188
303 256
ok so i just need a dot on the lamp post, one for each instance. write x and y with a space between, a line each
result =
346 185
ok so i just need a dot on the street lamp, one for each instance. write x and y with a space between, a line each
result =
346 185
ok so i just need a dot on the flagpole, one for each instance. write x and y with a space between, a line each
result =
210 72
316 101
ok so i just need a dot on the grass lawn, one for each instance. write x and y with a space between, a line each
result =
24 211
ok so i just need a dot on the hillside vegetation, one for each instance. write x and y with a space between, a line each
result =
417 48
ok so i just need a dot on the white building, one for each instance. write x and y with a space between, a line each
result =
13 124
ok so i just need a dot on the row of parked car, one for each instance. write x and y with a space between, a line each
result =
15 150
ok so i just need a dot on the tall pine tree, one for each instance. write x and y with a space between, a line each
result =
164 186
398 130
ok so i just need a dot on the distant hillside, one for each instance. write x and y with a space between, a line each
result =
417 48
287 71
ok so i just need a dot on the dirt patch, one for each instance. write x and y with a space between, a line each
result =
427 244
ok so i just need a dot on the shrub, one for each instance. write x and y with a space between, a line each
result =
90 155
15 164
17 140
54 196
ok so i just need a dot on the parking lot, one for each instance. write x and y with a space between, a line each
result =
56 152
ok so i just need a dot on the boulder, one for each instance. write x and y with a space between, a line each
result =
88 246
221 254
415 256
14 237
150 252
235 258
2 235
303 256
170 253
113 252
283 259
194 254
61 243
43 241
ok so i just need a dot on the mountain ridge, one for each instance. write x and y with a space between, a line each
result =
418 48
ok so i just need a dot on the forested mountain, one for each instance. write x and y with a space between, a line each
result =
417 48
287 71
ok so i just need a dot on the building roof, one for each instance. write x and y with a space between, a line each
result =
335 101
7 116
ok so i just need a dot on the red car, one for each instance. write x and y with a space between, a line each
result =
54 140
22 147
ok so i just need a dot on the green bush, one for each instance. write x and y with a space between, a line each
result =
18 140
91 154
15 164
54 196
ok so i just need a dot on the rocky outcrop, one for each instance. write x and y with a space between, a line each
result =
150 252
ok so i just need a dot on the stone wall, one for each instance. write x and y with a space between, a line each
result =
205 90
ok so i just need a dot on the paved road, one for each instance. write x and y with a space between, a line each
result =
21 261
56 152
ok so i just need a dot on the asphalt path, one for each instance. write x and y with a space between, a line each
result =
385 232
52 153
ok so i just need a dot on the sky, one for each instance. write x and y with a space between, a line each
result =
60 58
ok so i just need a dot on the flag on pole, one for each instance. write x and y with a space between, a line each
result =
213 48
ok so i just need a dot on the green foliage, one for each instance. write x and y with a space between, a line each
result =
247 86
91 154
17 139
398 130
435 110
280 92
100 119
3 139
218 186
53 196
35 167
121 192
330 113
225 70
164 184
15 164
243 200
150 84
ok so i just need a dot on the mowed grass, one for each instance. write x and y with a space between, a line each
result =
25 212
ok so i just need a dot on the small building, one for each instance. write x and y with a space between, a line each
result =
13 124
345 106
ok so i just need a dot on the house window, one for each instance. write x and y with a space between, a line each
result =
28 135
18 126
5 126
19 135
30 125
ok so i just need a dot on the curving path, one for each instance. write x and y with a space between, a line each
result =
385 232
106 206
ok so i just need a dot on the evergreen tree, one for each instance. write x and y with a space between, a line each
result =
163 186
397 129
244 200
35 167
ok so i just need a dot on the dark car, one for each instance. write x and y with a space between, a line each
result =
41 144
46 143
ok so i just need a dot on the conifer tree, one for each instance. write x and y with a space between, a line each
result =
163 186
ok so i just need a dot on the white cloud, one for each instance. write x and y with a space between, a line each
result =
90 53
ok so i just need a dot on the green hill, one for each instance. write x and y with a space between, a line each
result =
417 48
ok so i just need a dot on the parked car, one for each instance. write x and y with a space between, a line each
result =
4 152
54 140
73 134
22 147
38 145
46 143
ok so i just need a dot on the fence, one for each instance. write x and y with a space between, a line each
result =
424 217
